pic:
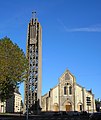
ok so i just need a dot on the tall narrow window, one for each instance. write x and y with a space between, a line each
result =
70 90
80 107
65 90
49 93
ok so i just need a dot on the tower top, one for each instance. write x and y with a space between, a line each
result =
34 15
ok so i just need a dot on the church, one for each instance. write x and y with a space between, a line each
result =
67 95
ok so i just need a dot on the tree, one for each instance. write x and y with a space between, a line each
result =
98 105
13 67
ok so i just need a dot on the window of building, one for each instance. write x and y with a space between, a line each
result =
49 93
80 107
65 90
88 101
70 90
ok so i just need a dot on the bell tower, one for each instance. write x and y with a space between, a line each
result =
32 98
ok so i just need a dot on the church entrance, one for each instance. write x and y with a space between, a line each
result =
68 107
79 107
56 107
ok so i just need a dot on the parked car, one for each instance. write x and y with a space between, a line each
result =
73 113
83 113
95 116
57 114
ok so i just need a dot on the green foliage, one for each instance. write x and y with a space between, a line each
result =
97 101
13 67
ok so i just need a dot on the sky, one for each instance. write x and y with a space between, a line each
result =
71 38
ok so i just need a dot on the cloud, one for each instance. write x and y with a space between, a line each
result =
93 28
84 29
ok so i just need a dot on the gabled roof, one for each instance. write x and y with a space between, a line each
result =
67 71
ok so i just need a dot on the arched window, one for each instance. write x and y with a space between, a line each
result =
70 90
65 90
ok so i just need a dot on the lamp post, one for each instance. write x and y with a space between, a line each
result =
27 106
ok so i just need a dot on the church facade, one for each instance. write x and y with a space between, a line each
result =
68 96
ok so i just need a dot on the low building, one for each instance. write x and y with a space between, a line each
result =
68 96
13 104
2 107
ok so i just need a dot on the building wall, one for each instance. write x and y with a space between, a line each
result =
78 98
45 102
10 105
13 104
2 107
68 96
92 107
17 102
54 97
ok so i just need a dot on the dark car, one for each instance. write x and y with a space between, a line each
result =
95 116
83 113
73 113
